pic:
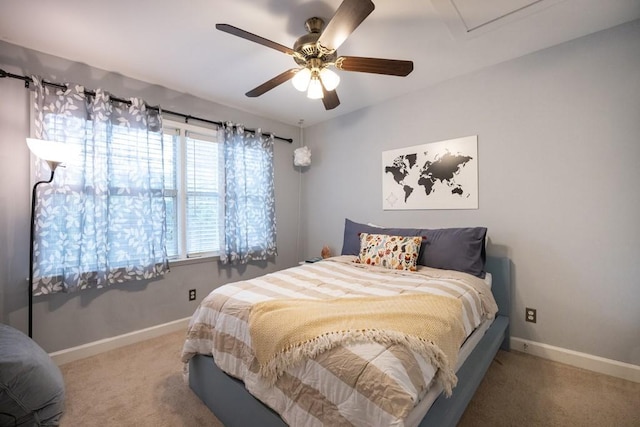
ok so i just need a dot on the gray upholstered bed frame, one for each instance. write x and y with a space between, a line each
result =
235 407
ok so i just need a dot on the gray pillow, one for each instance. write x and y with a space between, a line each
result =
460 249
31 385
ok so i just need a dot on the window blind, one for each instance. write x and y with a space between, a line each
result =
203 167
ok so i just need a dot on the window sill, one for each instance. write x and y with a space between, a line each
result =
194 260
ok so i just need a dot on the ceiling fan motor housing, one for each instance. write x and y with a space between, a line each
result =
307 45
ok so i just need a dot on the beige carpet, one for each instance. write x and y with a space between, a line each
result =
524 390
137 385
142 385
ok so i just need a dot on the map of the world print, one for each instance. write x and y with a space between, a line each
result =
439 175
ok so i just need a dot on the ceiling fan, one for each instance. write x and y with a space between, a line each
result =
315 51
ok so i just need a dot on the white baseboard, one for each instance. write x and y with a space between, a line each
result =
91 349
601 365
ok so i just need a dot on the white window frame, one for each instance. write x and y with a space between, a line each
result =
215 134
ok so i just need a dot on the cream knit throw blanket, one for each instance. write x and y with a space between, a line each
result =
285 332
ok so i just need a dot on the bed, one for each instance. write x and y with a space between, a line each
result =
325 389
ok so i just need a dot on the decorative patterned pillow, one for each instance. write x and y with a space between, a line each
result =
392 252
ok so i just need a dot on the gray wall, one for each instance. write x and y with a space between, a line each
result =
558 148
66 320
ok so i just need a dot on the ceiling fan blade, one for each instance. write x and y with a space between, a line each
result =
254 38
349 15
270 84
330 98
392 67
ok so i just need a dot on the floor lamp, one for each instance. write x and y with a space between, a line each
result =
54 153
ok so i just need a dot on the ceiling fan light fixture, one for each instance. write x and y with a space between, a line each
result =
315 88
330 79
301 80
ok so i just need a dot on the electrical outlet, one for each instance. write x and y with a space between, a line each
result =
192 294
530 315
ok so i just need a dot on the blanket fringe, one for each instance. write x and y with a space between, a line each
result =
294 355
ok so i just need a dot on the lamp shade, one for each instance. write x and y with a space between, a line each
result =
52 152
302 156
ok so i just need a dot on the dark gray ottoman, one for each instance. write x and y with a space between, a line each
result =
31 385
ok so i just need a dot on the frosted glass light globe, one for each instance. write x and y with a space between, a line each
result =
330 80
301 80
315 89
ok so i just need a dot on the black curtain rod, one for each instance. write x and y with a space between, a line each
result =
27 81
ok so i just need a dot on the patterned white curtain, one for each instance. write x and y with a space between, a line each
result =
249 209
102 219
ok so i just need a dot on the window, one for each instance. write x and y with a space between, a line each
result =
71 198
194 196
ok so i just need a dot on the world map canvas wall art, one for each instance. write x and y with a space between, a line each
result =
438 175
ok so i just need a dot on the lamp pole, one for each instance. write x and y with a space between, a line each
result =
32 236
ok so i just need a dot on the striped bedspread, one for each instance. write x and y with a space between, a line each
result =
362 384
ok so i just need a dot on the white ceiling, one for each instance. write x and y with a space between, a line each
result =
175 44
